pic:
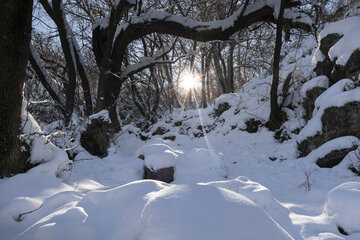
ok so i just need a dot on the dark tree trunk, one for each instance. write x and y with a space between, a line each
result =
275 118
15 32
84 81
220 79
230 63
203 80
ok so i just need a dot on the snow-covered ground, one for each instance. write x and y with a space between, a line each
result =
225 187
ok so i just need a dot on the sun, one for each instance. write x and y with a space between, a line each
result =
189 81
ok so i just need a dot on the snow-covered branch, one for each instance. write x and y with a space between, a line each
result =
164 22
44 78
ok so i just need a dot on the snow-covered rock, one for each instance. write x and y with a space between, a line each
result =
332 152
158 155
338 52
342 49
335 115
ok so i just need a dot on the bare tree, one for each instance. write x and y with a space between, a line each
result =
73 57
15 32
112 37
275 118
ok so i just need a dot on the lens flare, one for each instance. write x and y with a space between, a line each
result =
189 81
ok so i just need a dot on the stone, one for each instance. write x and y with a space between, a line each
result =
337 122
160 131
163 174
309 101
178 123
252 125
329 68
334 157
222 107
95 139
171 138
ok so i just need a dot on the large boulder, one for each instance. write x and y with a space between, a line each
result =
333 152
338 55
336 122
95 139
162 174
334 157
326 66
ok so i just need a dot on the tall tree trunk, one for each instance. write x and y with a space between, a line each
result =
84 78
230 65
15 32
275 118
220 79
203 80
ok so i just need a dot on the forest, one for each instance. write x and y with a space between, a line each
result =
180 119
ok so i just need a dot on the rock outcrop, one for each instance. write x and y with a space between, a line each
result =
329 67
337 122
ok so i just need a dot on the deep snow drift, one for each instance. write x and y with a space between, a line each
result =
229 183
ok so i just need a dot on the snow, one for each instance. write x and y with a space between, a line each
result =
205 212
155 210
349 42
225 187
342 206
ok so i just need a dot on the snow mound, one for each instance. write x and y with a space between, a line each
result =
20 206
109 214
205 212
255 192
158 155
342 206
150 210
232 99
342 50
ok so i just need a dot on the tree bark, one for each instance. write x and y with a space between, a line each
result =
203 79
84 79
275 118
15 32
